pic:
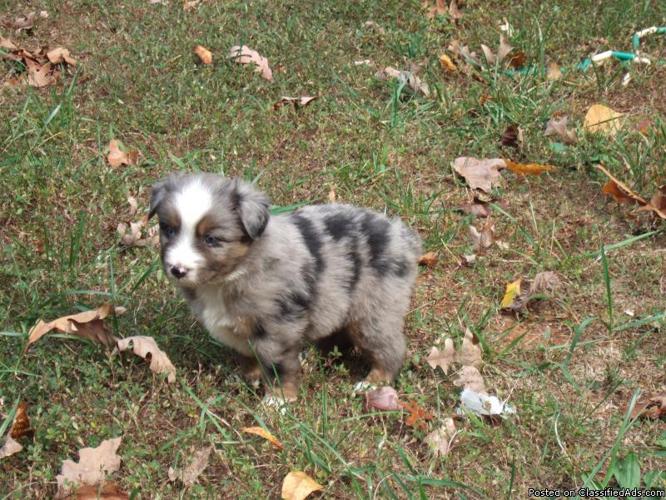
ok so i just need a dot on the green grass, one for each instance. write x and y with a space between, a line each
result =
567 369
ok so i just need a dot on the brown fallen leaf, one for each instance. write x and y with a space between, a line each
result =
520 293
245 55
21 425
384 398
512 137
118 157
296 102
106 491
93 466
205 55
440 440
297 485
553 72
518 59
60 55
417 416
463 52
439 9
189 5
407 77
24 23
620 191
189 474
9 447
428 259
657 203
502 51
447 64
558 128
94 330
477 209
454 10
652 408
528 168
479 174
68 324
483 239
132 235
544 282
469 353
7 44
332 195
40 75
470 378
261 432
146 346
604 120
443 359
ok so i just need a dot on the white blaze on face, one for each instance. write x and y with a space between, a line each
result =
192 203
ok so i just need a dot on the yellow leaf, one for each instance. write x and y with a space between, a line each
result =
447 64
298 485
512 291
602 119
204 54
261 432
528 168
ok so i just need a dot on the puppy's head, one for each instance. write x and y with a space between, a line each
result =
207 225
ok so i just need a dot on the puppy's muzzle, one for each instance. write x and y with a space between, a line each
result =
178 272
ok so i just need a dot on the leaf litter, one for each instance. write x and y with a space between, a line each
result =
406 77
242 54
297 485
188 475
92 468
520 293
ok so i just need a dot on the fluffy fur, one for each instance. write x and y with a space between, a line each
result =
264 284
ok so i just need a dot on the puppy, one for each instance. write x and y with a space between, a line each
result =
264 284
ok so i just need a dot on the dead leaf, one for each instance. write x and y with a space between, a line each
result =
652 408
428 259
9 447
94 464
463 52
620 191
483 239
476 209
117 157
518 59
439 9
447 64
21 425
297 485
643 126
602 119
502 51
205 55
60 55
545 281
444 359
417 416
512 291
146 346
528 168
553 72
384 398
7 44
332 195
25 22
440 440
134 205
406 77
558 128
296 102
469 377
40 75
479 174
189 474
106 491
521 292
470 351
512 137
657 203
245 55
261 432
94 330
454 11
68 324
189 5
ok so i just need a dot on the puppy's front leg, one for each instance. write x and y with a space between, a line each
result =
278 352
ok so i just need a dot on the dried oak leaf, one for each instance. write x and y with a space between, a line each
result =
297 485
261 432
528 168
502 51
93 466
118 157
447 64
296 102
204 55
384 398
521 292
512 137
407 77
444 359
483 239
652 408
9 447
416 415
60 55
469 353
245 55
602 119
470 378
428 259
480 174
557 127
71 324
21 425
40 75
106 491
188 475
146 346
657 203
440 440
476 209
7 44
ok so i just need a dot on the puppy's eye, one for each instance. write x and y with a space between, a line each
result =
167 230
212 241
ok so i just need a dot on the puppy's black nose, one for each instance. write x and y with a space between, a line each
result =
178 272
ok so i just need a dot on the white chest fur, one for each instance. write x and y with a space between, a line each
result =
210 309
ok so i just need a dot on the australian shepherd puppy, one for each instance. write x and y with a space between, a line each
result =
263 284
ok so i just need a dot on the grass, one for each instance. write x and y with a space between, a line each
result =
570 366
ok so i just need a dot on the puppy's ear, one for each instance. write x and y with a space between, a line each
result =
157 194
252 207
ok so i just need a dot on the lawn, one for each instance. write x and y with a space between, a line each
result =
570 363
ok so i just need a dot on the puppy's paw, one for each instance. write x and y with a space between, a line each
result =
363 386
